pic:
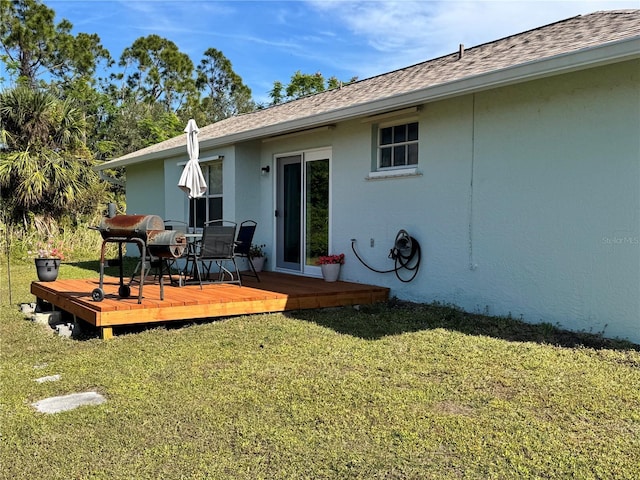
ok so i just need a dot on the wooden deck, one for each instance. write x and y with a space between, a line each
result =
276 292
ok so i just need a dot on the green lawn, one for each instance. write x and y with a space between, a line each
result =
394 391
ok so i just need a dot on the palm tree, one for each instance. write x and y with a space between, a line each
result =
45 167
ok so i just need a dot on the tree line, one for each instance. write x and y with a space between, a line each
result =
67 103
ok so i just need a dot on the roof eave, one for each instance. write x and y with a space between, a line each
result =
600 55
147 157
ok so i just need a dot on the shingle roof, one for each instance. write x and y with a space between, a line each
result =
563 37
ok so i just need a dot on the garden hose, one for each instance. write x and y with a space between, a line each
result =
406 254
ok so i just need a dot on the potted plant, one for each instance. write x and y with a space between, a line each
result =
47 260
257 256
330 266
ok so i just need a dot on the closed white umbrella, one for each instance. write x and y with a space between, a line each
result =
192 181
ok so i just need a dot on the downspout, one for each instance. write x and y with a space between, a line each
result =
472 264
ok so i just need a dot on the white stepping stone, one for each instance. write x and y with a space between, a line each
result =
68 402
49 378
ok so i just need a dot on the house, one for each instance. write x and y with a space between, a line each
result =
514 164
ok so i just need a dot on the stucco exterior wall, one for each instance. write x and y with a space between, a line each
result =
145 189
528 203
247 191
556 201
176 206
152 187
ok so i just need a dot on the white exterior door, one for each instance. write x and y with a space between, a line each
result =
302 210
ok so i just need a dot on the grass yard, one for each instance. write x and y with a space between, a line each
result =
387 392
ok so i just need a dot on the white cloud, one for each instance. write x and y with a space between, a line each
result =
407 32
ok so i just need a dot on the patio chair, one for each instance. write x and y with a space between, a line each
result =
216 247
178 225
243 244
150 267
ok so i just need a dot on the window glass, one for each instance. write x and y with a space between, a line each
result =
385 157
214 183
399 134
412 129
398 145
198 212
386 134
209 206
317 210
399 157
412 154
215 208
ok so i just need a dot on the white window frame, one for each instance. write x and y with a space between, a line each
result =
205 165
403 168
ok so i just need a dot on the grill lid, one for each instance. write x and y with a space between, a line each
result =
130 226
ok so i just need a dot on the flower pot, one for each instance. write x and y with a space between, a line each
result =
258 263
47 269
330 271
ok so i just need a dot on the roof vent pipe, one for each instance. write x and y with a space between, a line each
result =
460 51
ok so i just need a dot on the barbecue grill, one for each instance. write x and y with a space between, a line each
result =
146 231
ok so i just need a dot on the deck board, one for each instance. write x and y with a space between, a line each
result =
276 292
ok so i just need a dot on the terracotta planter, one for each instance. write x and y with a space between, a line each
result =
330 271
47 269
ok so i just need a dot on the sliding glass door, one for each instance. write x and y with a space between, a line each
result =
289 212
302 210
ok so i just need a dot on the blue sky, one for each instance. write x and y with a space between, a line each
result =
270 40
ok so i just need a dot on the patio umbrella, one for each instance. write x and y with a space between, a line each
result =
192 181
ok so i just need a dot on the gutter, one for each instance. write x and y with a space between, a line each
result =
612 52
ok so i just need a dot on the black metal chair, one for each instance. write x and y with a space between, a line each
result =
150 267
216 247
243 244
178 225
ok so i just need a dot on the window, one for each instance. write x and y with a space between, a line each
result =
398 145
209 206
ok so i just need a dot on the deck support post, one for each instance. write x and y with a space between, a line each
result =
106 333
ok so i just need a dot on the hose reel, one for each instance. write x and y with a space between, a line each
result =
405 253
